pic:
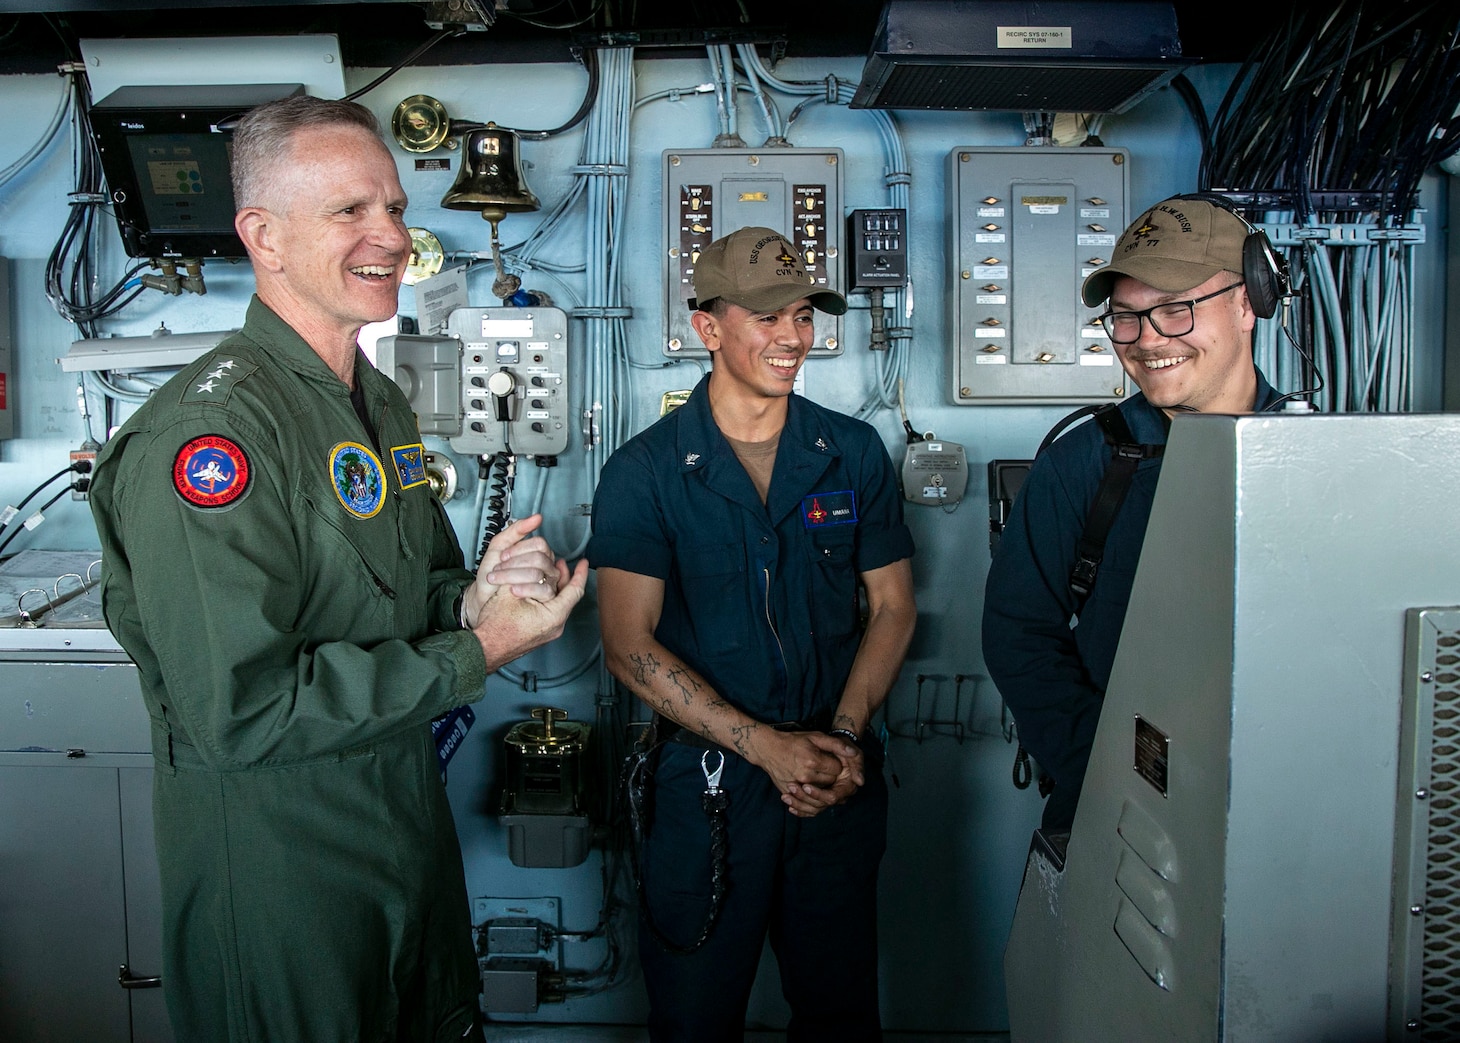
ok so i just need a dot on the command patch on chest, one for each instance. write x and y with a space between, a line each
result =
833 508
210 471
410 464
358 479
217 383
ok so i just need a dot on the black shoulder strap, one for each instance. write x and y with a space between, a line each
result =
1126 455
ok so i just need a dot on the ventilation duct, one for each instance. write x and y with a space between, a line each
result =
1019 57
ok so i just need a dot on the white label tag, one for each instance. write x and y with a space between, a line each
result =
1097 360
439 296
989 360
1042 36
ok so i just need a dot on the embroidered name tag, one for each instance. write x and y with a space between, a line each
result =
358 479
210 471
834 508
410 464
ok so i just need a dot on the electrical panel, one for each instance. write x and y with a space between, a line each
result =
876 249
497 381
1027 225
709 193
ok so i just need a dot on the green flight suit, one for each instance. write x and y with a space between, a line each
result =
294 634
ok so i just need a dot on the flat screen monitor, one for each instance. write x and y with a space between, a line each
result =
166 153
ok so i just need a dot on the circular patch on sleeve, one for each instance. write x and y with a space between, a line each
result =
210 471
358 479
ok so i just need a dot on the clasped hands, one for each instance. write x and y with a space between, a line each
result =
522 594
814 771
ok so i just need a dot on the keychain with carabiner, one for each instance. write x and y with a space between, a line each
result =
714 800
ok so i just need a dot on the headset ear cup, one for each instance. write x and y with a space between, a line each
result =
1265 274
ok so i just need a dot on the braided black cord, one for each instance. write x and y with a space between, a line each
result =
636 776
1023 769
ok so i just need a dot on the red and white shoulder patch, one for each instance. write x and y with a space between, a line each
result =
211 471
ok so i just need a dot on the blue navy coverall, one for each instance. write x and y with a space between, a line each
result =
761 600
1051 675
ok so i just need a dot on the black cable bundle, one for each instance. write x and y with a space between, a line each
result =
1359 97
71 295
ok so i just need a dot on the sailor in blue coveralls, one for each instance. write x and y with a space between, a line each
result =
1182 286
730 541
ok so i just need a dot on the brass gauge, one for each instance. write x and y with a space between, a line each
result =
427 256
420 123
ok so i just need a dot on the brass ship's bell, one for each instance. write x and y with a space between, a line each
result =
490 179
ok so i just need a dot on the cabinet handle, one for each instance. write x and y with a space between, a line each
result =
127 980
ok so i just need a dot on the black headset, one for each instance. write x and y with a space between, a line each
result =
1264 270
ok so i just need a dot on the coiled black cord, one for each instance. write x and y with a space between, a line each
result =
499 475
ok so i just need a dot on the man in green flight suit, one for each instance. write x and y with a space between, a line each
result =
298 609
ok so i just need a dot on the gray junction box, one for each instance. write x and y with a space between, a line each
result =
497 380
1264 850
1027 225
709 193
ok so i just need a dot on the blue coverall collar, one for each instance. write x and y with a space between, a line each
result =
805 452
1151 426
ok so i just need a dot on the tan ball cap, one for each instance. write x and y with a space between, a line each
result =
1177 244
758 269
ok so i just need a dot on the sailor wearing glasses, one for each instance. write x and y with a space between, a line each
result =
1180 319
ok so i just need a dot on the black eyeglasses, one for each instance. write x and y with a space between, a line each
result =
1176 319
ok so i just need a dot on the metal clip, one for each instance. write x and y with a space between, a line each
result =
28 619
712 778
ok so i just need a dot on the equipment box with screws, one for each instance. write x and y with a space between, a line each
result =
1027 225
709 193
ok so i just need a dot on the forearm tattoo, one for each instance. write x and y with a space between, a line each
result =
843 720
742 734
682 679
644 665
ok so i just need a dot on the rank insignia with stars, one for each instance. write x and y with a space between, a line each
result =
210 471
216 381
